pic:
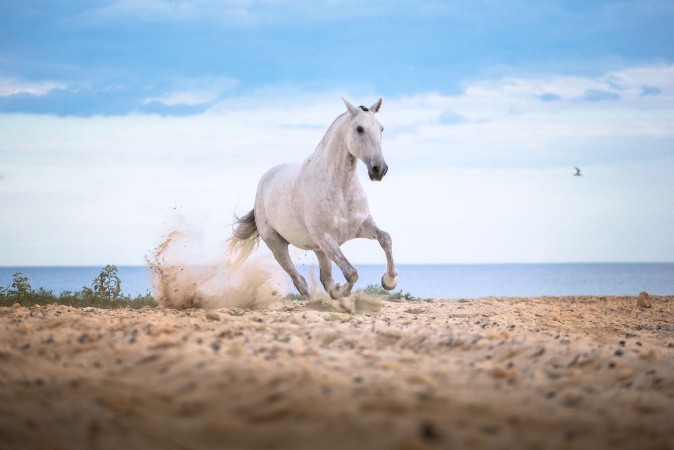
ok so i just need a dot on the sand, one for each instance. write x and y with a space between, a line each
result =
535 373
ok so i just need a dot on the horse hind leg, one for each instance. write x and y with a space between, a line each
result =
331 249
279 248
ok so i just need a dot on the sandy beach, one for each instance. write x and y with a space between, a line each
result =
534 373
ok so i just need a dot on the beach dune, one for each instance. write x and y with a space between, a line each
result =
534 373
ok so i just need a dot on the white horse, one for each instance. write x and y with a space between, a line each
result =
320 204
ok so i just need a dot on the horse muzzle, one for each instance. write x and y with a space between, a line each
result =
377 171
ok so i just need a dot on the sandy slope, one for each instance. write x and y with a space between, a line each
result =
490 373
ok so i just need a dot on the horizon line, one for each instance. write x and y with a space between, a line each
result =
46 266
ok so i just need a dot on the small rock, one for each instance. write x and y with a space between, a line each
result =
572 400
653 355
644 407
490 429
644 300
625 374
501 372
581 359
212 316
148 359
574 374
429 432
420 378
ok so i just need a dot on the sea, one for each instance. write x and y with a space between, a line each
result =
447 281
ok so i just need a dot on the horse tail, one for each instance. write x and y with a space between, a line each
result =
244 240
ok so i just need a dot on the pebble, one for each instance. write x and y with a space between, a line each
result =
572 400
501 372
212 316
644 300
539 352
429 432
653 355
625 374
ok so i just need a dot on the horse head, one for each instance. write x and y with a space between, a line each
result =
363 138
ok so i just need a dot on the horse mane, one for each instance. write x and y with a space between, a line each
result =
323 143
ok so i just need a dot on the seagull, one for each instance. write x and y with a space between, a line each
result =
577 174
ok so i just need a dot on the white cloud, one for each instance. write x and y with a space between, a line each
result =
196 91
507 117
12 86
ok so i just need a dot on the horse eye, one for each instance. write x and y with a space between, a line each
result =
359 129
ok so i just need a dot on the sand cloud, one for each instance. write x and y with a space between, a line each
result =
183 276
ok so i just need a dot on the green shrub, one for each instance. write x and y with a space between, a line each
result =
107 284
378 291
20 285
105 292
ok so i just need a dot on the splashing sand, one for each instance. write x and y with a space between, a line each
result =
181 280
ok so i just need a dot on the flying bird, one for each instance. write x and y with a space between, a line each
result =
577 174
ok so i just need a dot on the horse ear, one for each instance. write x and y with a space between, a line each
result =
376 107
352 109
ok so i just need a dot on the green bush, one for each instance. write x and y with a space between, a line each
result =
378 291
20 285
105 292
107 284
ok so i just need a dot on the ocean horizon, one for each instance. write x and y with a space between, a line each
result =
451 281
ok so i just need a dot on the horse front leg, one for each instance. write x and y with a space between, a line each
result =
330 249
369 230
326 270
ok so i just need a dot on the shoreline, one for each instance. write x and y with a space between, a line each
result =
548 372
422 280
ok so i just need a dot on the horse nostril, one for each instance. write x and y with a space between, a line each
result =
377 171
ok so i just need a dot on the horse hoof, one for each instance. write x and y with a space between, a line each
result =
389 283
334 292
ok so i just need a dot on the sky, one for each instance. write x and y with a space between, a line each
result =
121 118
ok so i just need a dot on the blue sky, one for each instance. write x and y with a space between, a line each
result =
116 114
110 57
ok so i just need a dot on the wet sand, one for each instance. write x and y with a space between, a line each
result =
535 373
